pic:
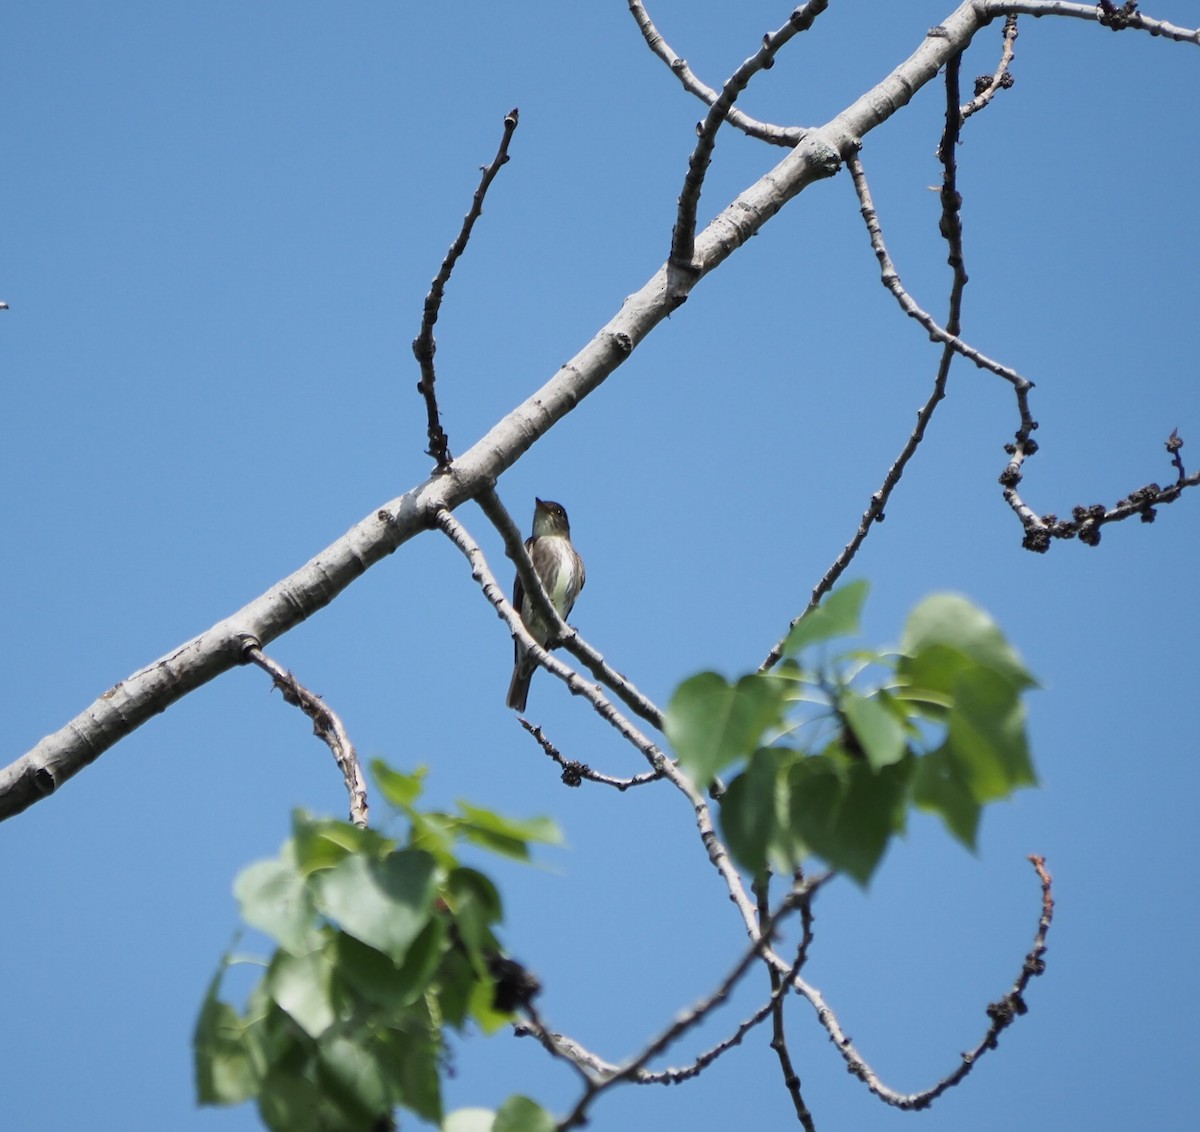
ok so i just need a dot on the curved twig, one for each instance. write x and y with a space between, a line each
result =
424 346
786 136
327 726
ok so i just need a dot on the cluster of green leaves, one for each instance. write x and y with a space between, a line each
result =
380 947
938 724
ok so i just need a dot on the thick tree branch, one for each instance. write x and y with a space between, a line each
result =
130 703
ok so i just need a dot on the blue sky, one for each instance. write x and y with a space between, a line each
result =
221 223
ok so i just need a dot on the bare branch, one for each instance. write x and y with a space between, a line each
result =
425 345
575 773
683 237
130 703
1104 13
764 131
327 726
987 86
791 1079
634 1070
1086 521
1002 1014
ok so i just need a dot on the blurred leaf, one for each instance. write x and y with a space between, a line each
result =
226 1069
481 1006
475 904
300 984
986 736
435 833
882 737
411 1055
520 1114
836 616
506 836
384 903
352 1079
711 723
373 977
945 634
400 790
938 787
293 1102
750 825
845 812
320 843
273 898
469 1120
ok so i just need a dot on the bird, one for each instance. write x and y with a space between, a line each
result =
560 570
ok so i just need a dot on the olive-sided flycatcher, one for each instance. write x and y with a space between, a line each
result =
562 576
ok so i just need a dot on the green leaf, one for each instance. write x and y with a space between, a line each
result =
353 1079
939 787
373 978
225 1063
836 616
291 1101
435 833
711 723
320 843
273 898
881 736
481 1005
845 812
520 1114
385 904
749 815
300 984
946 634
412 1054
401 790
986 736
506 836
469 1120
475 904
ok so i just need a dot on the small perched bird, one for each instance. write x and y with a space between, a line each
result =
561 572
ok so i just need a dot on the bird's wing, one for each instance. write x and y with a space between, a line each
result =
519 596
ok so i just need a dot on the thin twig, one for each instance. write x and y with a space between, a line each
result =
683 238
634 1069
786 136
1114 18
1086 520
791 1079
574 773
327 726
1002 1014
987 86
425 345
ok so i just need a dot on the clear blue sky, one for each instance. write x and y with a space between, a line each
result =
220 223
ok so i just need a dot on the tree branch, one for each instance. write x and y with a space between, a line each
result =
327 726
683 237
425 345
126 706
764 131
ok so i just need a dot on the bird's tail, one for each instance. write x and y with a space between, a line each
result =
518 689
